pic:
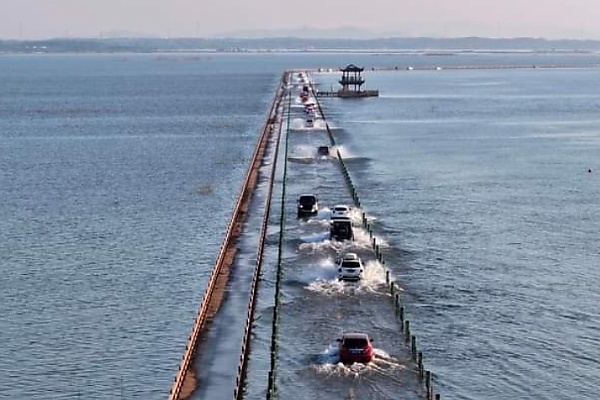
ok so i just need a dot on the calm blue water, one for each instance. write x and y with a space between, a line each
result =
119 173
479 180
118 178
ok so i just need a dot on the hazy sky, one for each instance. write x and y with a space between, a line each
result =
29 19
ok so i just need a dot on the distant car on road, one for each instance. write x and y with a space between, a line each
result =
355 347
308 205
323 150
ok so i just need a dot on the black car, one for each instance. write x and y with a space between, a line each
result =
307 205
341 229
323 150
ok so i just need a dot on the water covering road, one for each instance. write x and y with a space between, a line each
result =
317 308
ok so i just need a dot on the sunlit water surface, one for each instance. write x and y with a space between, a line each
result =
119 173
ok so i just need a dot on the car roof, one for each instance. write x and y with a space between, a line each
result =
341 206
350 256
355 335
308 195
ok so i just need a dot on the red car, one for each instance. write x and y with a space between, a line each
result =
355 347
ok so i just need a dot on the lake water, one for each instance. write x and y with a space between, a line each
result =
119 174
479 180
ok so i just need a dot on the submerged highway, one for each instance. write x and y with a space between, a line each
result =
274 307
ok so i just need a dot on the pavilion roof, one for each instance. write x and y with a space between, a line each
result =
352 68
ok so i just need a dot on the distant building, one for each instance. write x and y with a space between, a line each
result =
351 82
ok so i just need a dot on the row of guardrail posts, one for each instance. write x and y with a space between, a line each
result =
190 348
425 376
272 377
243 363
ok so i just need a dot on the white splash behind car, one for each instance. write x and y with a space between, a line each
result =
350 268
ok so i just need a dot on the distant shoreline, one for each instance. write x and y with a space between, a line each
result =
382 52
431 46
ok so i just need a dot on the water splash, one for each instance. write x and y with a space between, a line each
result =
382 361
323 270
299 124
320 220
364 241
320 124
328 284
329 287
374 275
303 151
328 363
325 244
344 152
315 238
305 154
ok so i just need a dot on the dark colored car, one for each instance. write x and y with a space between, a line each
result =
341 229
355 347
323 150
307 205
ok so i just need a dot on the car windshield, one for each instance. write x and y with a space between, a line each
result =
355 343
307 200
350 264
341 209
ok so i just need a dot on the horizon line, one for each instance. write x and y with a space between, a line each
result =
149 37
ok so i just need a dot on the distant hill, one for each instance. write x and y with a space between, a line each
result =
305 32
125 34
153 45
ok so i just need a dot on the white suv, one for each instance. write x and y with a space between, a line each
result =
340 211
350 267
